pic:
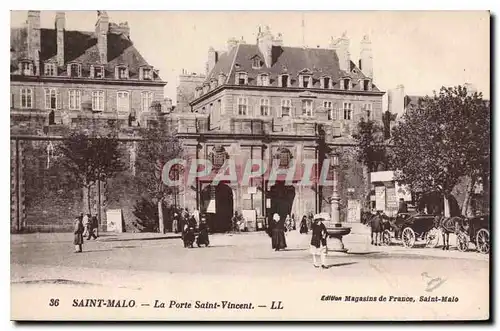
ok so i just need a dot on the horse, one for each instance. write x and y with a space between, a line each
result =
448 225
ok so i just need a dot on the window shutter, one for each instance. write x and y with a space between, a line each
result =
59 101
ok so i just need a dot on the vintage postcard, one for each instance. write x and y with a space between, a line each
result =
250 165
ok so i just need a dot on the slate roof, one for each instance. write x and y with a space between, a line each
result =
291 60
80 47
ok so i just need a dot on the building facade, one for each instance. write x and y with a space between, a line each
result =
59 76
273 102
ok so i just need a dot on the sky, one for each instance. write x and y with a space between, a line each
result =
420 50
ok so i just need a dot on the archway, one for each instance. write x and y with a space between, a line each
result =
220 197
282 197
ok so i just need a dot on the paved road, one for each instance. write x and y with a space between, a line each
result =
151 262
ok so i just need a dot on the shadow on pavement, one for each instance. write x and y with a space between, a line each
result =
363 253
340 264
143 239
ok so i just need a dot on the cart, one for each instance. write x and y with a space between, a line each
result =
476 230
410 228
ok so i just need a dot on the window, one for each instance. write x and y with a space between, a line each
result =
286 107
26 68
74 70
306 81
121 72
307 108
347 83
326 82
367 108
74 97
242 106
347 111
50 69
50 98
263 80
12 100
122 102
256 63
264 107
366 85
26 98
241 78
146 100
99 72
328 105
284 157
98 100
284 81
147 74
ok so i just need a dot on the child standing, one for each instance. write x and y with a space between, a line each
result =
318 240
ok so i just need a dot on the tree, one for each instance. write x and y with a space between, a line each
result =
159 144
371 149
90 160
443 138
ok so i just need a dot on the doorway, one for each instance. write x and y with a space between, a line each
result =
220 197
282 197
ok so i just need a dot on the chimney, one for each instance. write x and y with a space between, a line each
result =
34 39
341 47
101 31
60 26
212 59
265 43
231 43
366 57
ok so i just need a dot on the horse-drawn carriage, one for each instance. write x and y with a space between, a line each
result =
476 230
409 228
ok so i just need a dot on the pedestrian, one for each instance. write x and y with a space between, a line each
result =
78 235
294 224
235 220
175 223
86 224
93 224
318 239
288 223
376 228
303 225
203 233
403 207
278 239
196 215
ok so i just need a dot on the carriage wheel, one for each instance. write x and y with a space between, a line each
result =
462 242
408 237
483 241
432 238
386 237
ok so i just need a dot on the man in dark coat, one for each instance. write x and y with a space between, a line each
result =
78 234
203 233
403 207
278 237
376 228
92 227
303 225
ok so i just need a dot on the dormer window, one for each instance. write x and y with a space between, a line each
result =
26 68
74 70
325 82
367 85
213 83
306 81
146 74
263 80
50 69
256 63
346 84
98 72
121 72
241 78
284 80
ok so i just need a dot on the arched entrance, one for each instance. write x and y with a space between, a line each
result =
282 197
220 197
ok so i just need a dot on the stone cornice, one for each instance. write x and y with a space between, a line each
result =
85 80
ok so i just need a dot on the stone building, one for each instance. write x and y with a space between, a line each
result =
61 81
60 76
273 102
